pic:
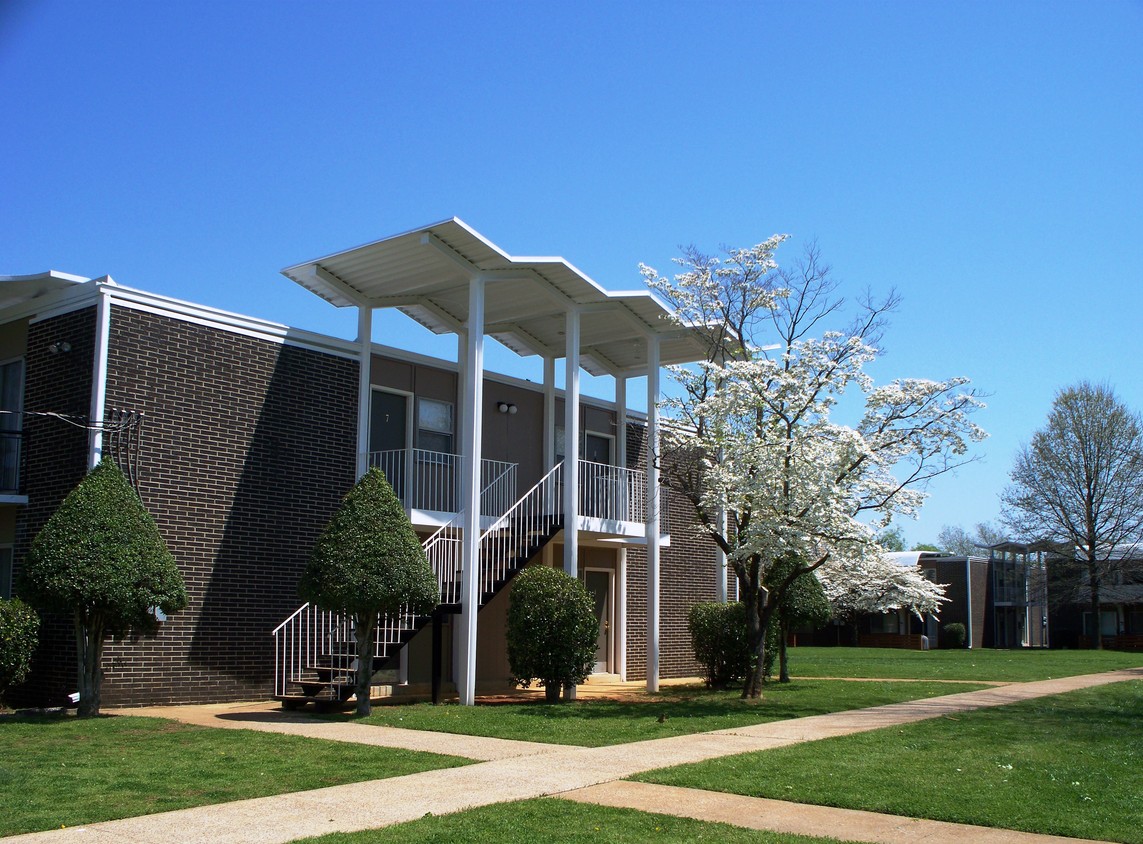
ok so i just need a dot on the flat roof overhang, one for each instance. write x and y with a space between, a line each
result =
425 273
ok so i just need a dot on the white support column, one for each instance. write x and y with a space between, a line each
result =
721 575
571 445
621 614
364 394
473 392
549 413
652 514
99 378
621 421
621 557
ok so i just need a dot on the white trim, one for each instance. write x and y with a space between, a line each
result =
364 386
609 649
621 614
85 295
652 524
571 442
99 378
470 557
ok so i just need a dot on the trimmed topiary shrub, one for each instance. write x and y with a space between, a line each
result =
369 561
954 635
100 560
552 630
718 636
19 627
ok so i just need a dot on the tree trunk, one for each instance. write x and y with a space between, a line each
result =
783 662
552 692
757 617
89 662
1097 631
363 632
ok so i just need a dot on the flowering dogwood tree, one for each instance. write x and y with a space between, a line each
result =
754 446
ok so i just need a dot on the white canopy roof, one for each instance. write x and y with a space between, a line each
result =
425 273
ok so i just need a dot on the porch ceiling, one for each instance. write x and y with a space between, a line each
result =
425 274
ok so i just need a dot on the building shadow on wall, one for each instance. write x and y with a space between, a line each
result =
297 464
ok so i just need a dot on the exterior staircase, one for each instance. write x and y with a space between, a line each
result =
315 651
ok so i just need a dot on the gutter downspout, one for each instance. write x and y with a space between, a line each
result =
99 376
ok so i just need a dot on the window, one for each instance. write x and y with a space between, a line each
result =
5 571
435 425
11 423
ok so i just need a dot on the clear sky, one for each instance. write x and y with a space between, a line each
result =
983 158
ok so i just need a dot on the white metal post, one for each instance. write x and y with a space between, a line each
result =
652 514
621 613
470 560
571 445
99 378
621 557
721 575
549 413
364 391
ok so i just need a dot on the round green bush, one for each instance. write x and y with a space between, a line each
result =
19 626
954 635
552 630
721 645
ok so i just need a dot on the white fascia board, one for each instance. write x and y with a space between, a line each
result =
85 295
340 252
54 274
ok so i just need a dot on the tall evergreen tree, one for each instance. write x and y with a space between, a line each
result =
100 558
368 561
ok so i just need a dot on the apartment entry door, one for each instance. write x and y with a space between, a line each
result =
389 436
600 585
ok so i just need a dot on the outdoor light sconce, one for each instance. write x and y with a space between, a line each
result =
505 407
56 348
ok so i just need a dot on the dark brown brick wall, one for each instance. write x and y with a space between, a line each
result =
686 577
55 461
247 448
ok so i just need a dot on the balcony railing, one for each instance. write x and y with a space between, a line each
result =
613 492
430 480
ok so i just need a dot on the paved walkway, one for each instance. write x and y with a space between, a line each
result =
521 770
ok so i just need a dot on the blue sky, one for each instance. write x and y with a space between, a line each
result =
982 158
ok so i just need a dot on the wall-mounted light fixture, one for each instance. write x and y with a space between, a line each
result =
505 407
57 348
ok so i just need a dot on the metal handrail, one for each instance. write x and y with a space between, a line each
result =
429 480
310 634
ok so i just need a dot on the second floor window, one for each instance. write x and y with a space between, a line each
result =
11 423
435 425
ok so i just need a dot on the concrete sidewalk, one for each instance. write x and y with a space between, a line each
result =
521 770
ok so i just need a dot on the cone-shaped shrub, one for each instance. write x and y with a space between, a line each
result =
367 561
100 558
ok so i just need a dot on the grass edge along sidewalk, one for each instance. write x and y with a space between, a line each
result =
68 771
366 805
1069 764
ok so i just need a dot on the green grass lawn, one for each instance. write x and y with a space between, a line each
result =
63 771
977 664
1065 765
551 821
594 723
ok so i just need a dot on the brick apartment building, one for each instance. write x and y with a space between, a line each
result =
243 435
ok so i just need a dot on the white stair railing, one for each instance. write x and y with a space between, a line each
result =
315 645
318 645
507 543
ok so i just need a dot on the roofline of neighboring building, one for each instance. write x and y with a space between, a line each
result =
85 293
